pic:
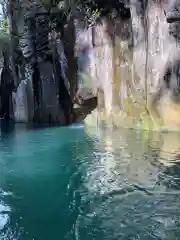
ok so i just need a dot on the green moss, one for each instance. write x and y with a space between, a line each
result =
86 79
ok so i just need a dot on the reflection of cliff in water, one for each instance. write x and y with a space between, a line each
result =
140 155
129 184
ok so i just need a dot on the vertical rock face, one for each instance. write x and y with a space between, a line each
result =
108 51
23 98
6 88
51 110
39 71
123 61
94 51
156 54
103 59
131 68
69 39
20 104
151 40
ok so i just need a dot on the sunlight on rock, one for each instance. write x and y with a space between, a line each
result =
128 74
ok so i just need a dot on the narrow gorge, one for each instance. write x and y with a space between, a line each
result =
113 64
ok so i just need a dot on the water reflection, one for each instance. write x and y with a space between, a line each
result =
133 184
68 183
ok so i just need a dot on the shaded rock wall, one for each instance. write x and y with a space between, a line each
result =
37 99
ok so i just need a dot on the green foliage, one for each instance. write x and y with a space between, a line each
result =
86 79
87 7
4 39
4 35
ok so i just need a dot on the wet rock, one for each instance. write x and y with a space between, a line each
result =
86 107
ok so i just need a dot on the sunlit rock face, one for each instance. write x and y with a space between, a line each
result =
131 64
105 63
23 102
156 51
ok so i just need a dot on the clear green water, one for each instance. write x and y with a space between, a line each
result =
69 183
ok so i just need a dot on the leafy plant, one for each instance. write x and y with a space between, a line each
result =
4 35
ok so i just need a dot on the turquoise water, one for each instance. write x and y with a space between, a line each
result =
73 183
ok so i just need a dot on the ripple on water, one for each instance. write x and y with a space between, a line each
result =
4 210
4 215
104 189
123 195
4 218
134 215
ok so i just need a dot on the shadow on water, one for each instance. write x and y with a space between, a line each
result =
6 127
9 128
71 183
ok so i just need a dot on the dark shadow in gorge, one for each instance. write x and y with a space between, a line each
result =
6 88
6 127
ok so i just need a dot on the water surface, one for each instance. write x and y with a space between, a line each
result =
74 183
